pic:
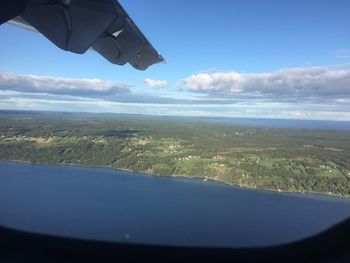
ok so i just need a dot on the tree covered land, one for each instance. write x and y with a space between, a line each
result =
280 159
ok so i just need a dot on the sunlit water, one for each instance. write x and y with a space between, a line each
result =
113 205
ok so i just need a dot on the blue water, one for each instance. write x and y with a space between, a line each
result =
104 204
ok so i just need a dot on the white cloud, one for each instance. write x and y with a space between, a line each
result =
76 89
304 93
313 82
60 86
260 110
342 54
156 84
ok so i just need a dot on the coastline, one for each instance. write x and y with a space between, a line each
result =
202 179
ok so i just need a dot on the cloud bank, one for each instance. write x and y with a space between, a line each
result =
314 82
303 93
156 84
60 86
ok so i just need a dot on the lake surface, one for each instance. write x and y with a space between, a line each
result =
104 204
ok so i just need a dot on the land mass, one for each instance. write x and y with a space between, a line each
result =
279 159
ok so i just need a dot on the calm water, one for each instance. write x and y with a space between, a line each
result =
116 205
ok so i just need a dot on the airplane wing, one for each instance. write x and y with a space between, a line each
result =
78 25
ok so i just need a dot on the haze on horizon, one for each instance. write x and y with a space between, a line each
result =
275 59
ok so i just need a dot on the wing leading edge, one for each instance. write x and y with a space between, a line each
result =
78 25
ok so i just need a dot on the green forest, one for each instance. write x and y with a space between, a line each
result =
279 159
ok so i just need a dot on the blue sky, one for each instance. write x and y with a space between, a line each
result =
274 59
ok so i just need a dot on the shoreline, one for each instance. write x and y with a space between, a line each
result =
202 179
